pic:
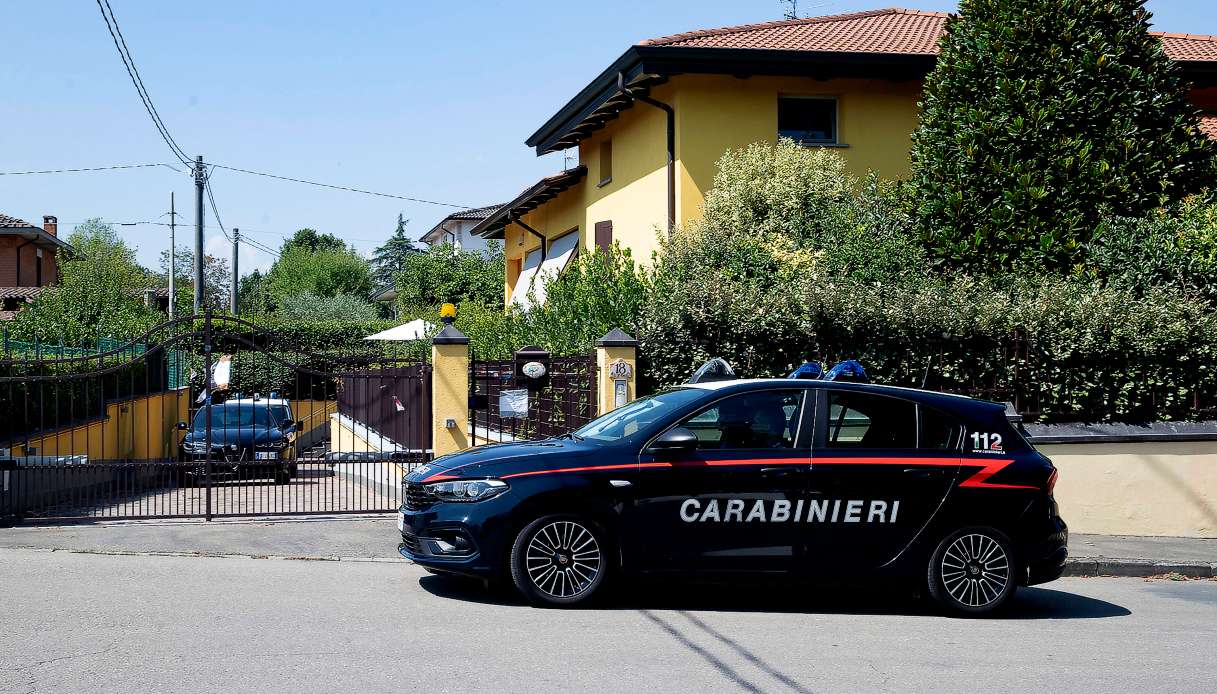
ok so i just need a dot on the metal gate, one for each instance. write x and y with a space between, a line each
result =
209 416
565 401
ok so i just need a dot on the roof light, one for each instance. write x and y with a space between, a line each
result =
848 370
809 370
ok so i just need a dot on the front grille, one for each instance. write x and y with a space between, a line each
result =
417 498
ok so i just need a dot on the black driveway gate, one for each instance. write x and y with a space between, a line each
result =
565 401
206 416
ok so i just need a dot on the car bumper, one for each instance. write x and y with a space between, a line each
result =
465 539
1046 559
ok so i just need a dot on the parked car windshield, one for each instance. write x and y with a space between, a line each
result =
241 415
638 415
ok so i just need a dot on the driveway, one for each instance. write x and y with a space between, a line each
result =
95 623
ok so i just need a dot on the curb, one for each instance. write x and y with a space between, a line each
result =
1137 568
212 555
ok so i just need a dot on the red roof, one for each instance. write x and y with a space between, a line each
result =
1208 125
892 31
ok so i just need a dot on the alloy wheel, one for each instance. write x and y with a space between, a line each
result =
975 570
563 559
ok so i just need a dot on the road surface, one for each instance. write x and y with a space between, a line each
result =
96 623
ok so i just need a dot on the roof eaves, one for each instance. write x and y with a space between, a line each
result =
535 195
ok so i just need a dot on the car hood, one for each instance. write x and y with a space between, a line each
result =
238 436
506 458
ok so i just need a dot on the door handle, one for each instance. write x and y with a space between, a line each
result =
782 471
922 473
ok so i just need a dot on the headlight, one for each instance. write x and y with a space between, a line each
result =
467 490
194 446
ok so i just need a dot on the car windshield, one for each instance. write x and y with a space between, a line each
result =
242 415
638 415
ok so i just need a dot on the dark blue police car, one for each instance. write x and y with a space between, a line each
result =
784 476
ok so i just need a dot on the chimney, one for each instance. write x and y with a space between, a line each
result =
50 224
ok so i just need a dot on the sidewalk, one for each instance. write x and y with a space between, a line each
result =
374 538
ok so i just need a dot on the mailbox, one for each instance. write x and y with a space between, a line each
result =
532 368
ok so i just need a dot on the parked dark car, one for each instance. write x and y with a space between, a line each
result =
800 477
250 438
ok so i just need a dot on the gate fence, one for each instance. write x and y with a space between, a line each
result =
207 416
565 402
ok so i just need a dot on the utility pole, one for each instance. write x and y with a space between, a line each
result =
200 179
172 253
232 291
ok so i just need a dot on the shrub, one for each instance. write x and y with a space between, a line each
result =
344 307
598 292
1041 115
1167 248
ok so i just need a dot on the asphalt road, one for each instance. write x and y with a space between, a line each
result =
81 622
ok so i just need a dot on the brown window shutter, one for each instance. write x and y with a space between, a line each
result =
604 235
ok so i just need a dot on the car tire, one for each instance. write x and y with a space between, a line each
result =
283 475
973 571
560 561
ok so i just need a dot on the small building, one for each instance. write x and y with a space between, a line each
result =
28 260
651 127
454 230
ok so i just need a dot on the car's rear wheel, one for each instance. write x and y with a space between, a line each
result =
560 561
972 571
283 475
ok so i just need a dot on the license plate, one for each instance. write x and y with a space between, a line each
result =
401 522
266 455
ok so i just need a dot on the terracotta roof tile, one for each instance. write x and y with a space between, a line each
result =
8 222
1208 125
892 30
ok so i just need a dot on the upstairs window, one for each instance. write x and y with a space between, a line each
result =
808 120
606 162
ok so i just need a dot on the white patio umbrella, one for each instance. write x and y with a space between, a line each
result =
417 329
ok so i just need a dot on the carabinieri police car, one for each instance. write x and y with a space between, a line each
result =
811 478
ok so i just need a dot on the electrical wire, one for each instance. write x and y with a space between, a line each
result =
89 168
346 188
120 44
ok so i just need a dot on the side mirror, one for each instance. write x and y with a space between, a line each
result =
290 424
677 440
181 426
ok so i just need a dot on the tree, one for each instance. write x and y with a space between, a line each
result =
253 295
217 278
442 274
325 272
313 241
390 258
1040 117
307 306
100 292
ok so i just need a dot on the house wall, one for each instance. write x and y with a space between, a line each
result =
714 113
29 264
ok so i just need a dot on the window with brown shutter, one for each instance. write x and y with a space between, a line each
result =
604 235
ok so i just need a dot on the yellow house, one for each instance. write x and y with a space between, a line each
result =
651 126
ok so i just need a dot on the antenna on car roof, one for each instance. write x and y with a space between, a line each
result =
715 369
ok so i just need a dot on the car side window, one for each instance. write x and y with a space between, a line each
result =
762 419
937 430
864 420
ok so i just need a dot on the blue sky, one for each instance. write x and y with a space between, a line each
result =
424 99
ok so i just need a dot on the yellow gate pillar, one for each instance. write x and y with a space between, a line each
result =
617 365
449 390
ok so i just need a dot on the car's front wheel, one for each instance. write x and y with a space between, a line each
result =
972 571
559 561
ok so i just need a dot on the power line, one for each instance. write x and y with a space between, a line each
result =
336 187
88 168
120 44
